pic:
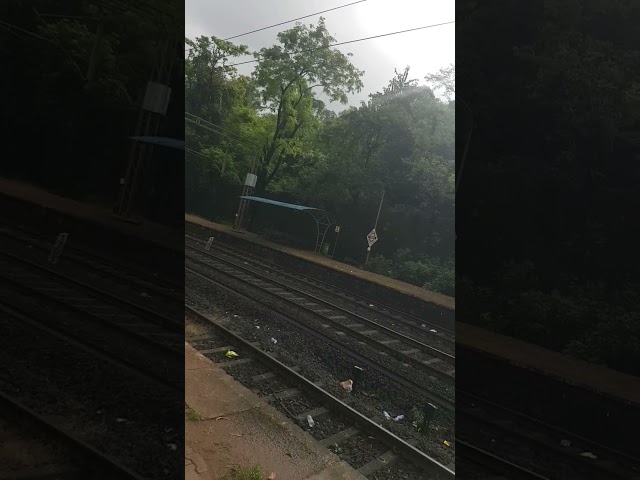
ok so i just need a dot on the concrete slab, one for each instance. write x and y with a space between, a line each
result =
338 471
210 391
240 429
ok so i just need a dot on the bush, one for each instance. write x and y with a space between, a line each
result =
428 273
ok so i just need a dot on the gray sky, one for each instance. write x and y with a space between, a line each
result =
426 51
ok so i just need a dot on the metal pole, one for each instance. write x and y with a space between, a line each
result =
336 243
376 224
356 373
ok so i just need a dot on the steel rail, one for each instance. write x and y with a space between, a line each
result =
431 466
405 382
142 311
386 330
103 460
465 450
408 319
419 364
89 258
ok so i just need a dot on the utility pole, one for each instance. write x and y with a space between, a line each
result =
152 111
95 52
376 224
247 189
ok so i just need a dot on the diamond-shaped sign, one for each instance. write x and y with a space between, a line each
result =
372 237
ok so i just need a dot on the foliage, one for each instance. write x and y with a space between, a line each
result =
85 65
422 271
555 167
401 142
245 473
286 76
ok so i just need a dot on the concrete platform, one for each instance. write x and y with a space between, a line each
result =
402 287
567 369
100 215
234 427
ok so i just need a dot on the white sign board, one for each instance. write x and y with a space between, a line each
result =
156 98
372 237
251 180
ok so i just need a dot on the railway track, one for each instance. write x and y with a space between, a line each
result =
543 450
34 447
155 294
323 336
409 351
98 367
357 438
481 464
387 314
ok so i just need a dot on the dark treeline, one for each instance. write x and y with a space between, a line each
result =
75 76
401 141
551 96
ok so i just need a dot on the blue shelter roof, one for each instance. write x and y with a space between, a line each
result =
293 206
161 142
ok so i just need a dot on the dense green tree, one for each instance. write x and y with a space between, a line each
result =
286 76
401 140
554 160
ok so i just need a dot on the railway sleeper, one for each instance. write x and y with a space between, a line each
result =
411 351
199 338
315 413
340 437
385 460
234 363
369 332
216 350
268 375
281 395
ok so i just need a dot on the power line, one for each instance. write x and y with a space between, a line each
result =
351 41
195 120
294 20
10 26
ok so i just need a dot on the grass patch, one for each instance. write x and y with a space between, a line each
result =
245 473
192 415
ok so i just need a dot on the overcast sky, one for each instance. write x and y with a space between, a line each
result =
425 51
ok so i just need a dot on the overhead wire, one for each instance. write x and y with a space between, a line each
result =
351 41
295 19
288 21
221 130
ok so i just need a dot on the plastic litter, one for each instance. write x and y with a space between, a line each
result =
424 325
589 455
447 443
258 327
172 446
565 443
121 420
310 421
398 418
347 385
272 476
371 305
433 331
386 415
274 341
230 354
